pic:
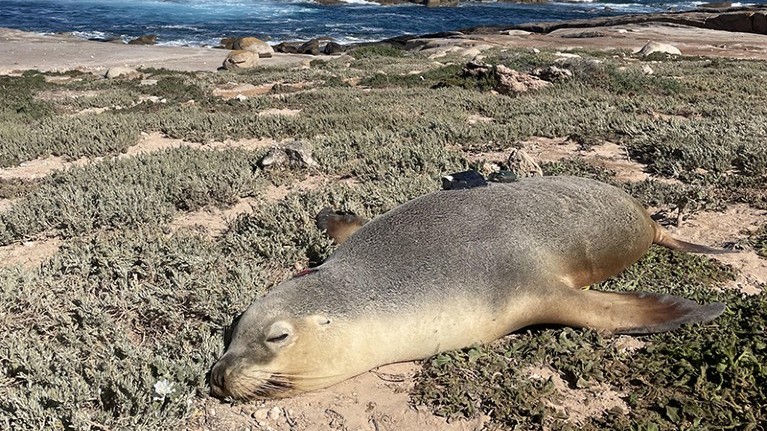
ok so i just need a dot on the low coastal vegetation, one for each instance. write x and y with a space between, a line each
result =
119 328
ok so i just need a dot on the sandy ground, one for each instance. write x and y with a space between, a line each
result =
27 51
377 400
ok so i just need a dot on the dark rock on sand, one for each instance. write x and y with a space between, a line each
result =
333 48
227 43
311 47
287 47
147 39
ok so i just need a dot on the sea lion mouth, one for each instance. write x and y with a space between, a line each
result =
249 386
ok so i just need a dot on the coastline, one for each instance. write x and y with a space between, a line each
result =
20 50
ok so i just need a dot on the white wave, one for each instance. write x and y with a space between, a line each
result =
362 2
181 27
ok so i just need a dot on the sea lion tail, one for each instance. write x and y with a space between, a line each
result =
338 225
663 238
629 312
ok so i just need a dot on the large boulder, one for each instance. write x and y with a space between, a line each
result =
759 22
333 48
553 73
147 39
227 43
311 47
655 47
288 47
736 21
240 60
439 3
510 81
254 45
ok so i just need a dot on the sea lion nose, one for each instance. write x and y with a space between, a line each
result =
218 377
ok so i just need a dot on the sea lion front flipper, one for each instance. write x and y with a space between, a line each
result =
628 312
338 225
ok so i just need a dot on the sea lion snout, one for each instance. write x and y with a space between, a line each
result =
233 377
218 378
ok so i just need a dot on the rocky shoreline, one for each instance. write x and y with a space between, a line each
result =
732 32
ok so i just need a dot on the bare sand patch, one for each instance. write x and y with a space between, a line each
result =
6 204
68 94
731 226
607 155
376 400
149 143
29 254
277 193
20 50
39 168
213 221
578 404
232 90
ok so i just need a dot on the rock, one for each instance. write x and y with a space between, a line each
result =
664 48
296 153
275 413
253 45
521 164
288 47
333 48
260 414
276 157
553 73
311 47
227 43
736 21
512 82
147 39
440 3
647 70
122 72
759 22
302 153
240 60
508 81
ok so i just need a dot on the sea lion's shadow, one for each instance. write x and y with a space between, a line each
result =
228 330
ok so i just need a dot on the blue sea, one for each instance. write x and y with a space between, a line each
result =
205 22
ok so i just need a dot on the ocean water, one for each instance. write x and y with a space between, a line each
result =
205 22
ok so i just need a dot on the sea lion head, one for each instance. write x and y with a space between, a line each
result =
279 350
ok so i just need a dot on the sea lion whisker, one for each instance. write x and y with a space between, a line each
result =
307 376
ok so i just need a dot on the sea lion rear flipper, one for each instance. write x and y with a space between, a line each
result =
629 312
339 226
664 239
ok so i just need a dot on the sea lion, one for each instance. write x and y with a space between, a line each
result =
447 270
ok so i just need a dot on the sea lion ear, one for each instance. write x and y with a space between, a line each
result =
320 319
280 334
